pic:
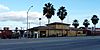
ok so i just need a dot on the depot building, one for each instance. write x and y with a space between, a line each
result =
56 29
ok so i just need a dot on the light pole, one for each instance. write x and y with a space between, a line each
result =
27 15
29 24
27 20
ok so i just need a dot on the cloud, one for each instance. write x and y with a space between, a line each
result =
19 16
2 7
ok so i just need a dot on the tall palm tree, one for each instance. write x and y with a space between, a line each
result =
86 23
95 20
75 23
48 11
62 13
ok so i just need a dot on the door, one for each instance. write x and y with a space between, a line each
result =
42 33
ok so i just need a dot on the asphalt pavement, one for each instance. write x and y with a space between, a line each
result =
55 43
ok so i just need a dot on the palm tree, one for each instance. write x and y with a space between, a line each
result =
16 33
48 11
86 23
95 20
75 23
16 29
62 13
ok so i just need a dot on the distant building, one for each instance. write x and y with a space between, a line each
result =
95 32
5 33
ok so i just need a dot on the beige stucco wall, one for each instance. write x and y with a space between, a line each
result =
67 33
55 32
81 33
54 26
75 33
59 26
62 27
71 33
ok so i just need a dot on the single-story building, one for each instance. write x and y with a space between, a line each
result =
56 29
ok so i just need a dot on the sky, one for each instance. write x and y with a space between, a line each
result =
13 13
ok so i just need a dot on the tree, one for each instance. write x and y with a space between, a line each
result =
75 23
62 13
16 29
95 20
48 11
86 23
16 35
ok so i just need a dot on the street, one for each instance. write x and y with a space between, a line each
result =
55 43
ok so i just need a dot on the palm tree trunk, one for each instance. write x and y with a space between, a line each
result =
62 21
39 22
62 28
76 31
48 21
94 29
48 28
86 30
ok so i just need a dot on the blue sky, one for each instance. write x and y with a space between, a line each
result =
13 12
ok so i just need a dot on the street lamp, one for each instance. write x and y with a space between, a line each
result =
27 15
